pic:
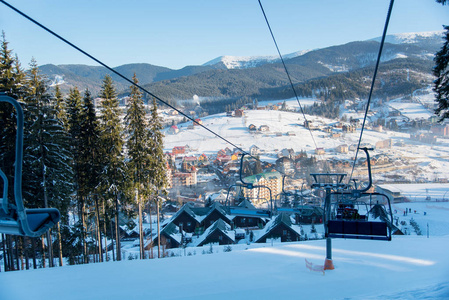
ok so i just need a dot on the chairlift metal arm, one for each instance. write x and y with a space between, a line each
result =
5 192
31 222
370 182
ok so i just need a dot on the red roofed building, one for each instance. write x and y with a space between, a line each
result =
179 150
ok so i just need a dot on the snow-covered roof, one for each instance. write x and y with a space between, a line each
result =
219 225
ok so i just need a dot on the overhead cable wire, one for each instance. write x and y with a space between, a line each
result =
372 84
286 71
121 76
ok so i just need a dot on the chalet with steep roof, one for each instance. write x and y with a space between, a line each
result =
186 219
219 232
171 237
280 227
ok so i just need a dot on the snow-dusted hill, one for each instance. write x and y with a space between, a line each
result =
408 267
243 62
412 159
413 37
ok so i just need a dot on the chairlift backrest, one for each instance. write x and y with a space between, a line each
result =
346 222
15 219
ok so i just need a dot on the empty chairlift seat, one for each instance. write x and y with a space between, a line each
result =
15 219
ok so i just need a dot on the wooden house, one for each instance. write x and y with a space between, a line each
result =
245 215
308 214
238 113
197 122
186 219
252 128
171 237
254 150
178 150
343 148
280 227
173 129
219 232
214 213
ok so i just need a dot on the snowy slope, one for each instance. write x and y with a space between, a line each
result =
243 62
426 162
411 37
407 268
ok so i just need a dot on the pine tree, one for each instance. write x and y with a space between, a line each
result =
158 165
74 118
47 159
11 82
441 84
113 176
138 145
60 106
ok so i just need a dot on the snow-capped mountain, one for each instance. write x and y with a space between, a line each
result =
243 62
413 37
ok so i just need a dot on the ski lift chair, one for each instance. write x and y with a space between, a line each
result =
248 185
345 220
15 219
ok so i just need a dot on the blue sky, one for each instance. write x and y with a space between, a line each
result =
177 33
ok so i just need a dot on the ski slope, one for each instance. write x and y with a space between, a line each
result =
408 267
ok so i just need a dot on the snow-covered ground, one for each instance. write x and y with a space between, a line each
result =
408 267
425 162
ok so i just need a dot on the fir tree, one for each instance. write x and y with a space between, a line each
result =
47 159
74 118
89 154
441 72
113 176
139 155
158 165
61 109
11 82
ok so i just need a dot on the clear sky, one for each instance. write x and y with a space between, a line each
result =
177 33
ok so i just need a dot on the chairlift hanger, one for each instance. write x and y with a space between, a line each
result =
353 226
248 185
15 219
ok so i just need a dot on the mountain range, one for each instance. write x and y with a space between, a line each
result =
407 62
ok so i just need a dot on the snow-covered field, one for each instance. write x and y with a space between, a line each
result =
408 267
427 162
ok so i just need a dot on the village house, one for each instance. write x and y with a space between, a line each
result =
384 144
343 148
188 163
184 179
270 184
254 150
264 128
319 151
307 214
252 128
179 150
348 128
197 122
172 112
284 164
422 137
335 135
238 113
280 227
441 130
173 129
219 232
171 237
